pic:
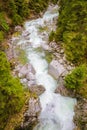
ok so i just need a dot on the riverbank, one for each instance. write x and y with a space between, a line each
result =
7 47
72 34
12 54
80 118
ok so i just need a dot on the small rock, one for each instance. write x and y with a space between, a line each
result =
18 28
62 51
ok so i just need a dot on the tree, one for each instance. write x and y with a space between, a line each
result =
76 78
11 92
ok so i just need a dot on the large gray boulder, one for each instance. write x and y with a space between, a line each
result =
26 69
56 69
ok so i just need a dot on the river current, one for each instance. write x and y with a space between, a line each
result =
57 111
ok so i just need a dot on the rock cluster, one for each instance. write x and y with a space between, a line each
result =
34 109
31 115
80 117
26 74
59 65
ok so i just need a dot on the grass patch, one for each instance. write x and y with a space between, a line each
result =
42 29
39 49
49 56
16 119
83 91
16 34
22 55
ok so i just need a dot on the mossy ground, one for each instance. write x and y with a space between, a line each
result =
17 118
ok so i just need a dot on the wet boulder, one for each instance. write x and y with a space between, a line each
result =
38 90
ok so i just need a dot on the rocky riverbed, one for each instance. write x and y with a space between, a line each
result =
26 73
59 67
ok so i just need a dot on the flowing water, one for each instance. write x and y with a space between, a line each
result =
57 111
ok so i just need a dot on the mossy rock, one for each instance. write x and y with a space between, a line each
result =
49 56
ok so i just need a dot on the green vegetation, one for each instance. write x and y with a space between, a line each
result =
38 5
11 92
52 36
72 29
72 32
3 24
12 13
76 78
22 56
15 120
1 36
77 81
49 56
42 29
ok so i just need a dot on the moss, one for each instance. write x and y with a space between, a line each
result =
1 36
3 23
76 80
49 56
22 55
17 118
52 36
83 90
16 34
11 92
72 30
42 29
39 49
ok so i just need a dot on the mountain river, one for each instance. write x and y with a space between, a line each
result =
57 111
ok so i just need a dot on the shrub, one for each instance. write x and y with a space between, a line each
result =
17 19
52 36
3 24
72 29
76 78
1 36
11 92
